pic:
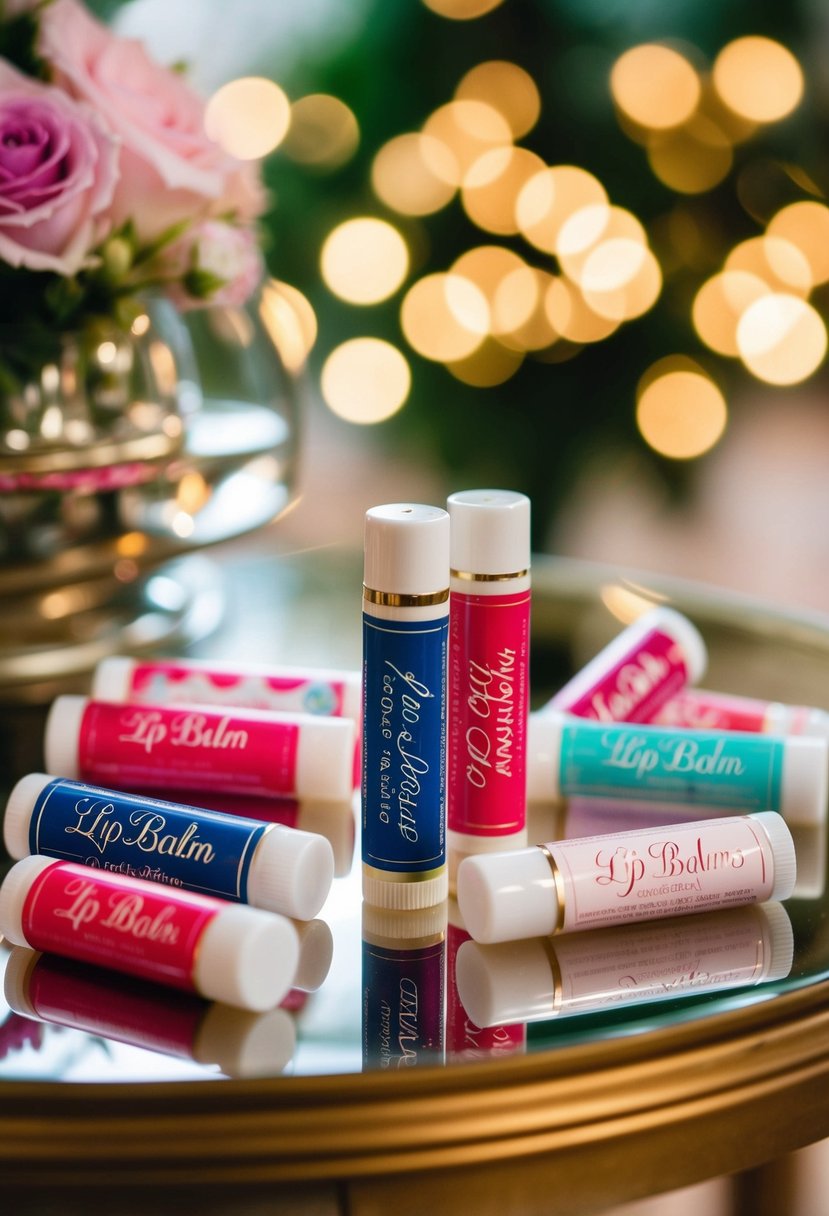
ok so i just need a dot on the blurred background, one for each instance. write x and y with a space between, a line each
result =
578 248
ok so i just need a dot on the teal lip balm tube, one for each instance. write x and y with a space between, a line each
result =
405 639
732 771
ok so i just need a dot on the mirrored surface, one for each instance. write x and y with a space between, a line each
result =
382 992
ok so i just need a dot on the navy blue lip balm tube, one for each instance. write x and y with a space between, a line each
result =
405 640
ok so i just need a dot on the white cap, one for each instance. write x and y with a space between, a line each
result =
316 951
518 981
245 1044
18 814
406 549
405 929
63 729
326 765
290 872
112 679
13 892
490 531
544 756
785 858
804 790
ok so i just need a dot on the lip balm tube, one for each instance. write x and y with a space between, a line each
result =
245 751
646 874
699 709
140 1014
607 969
644 665
244 860
283 689
403 971
405 632
489 643
226 952
725 770
467 1039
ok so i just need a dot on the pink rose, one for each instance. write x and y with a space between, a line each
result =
58 170
170 169
220 263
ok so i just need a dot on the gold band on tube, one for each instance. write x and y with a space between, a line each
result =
392 599
488 578
559 885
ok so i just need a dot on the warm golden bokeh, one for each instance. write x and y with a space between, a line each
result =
781 339
413 174
323 133
621 279
806 226
519 310
758 78
680 411
462 10
491 364
248 117
572 317
290 321
720 303
364 260
693 158
778 262
444 317
467 129
506 87
491 187
548 200
365 380
655 86
590 227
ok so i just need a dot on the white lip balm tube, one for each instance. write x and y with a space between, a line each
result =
724 770
244 860
700 709
647 874
489 644
226 952
608 969
283 689
646 664
405 634
177 747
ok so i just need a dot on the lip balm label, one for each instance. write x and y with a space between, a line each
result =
404 754
664 871
655 765
465 1040
145 838
403 993
488 662
186 748
162 682
635 687
101 918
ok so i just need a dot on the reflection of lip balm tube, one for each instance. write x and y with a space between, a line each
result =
646 874
306 690
637 672
699 709
489 637
140 1014
244 751
727 770
467 1039
233 858
404 957
532 981
405 631
226 952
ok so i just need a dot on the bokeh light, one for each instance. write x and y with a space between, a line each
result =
720 303
364 260
693 158
806 226
680 411
491 364
492 185
781 339
507 88
520 319
445 317
414 174
290 321
462 10
248 117
776 261
467 129
758 78
323 132
365 380
585 229
548 200
571 316
655 86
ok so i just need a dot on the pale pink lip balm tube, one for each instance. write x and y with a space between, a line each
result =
177 747
227 952
700 709
646 874
282 689
635 674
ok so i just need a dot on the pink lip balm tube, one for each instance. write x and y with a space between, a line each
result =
226 952
489 642
283 689
647 874
244 751
644 665
699 709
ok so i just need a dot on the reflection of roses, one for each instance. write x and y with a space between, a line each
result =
169 169
58 168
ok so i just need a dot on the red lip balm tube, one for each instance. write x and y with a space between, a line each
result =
232 953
